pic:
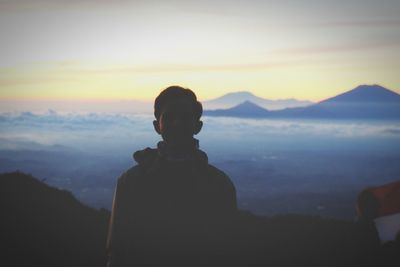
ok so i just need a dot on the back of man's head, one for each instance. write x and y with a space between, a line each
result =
174 93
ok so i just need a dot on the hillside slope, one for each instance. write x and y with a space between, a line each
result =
44 226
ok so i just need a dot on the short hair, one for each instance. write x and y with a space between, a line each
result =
176 92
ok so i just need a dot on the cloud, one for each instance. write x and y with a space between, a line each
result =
393 131
49 5
298 128
189 67
339 48
361 23
70 121
31 80
115 132
73 129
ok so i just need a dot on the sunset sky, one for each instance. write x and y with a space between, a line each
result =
121 50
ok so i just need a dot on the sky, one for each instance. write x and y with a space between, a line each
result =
98 50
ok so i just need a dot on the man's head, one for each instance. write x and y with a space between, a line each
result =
177 113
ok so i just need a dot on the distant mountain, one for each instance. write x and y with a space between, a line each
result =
232 99
363 102
366 94
246 109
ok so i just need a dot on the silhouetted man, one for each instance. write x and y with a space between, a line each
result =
170 206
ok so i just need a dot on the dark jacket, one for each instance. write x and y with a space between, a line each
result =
163 208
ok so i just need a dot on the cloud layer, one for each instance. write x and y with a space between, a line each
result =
95 131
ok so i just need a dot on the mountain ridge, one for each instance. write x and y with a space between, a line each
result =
235 98
368 93
246 109
362 102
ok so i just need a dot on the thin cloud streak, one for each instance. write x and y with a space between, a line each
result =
361 23
338 48
50 5
194 68
23 81
69 69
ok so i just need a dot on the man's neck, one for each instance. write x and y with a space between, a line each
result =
179 151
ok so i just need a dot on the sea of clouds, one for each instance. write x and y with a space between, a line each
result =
308 164
105 131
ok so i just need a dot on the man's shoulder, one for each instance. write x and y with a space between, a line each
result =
215 171
218 175
223 185
131 174
144 159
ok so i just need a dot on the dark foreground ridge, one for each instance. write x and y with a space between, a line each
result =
44 226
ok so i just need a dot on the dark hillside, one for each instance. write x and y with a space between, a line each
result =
44 226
